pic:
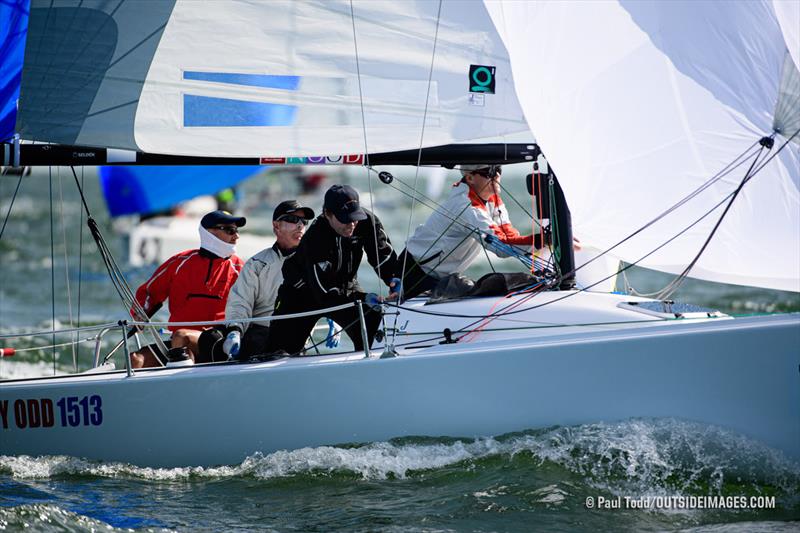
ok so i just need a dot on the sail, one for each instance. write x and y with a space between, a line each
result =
637 104
13 31
145 190
279 78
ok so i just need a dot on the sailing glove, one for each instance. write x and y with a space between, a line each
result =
232 343
395 285
372 300
332 341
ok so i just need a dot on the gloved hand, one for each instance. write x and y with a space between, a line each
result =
232 343
395 286
372 300
333 336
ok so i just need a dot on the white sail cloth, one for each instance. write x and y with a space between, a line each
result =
636 104
248 79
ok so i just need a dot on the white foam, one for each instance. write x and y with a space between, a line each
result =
634 458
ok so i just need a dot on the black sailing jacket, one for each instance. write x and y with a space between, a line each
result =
325 263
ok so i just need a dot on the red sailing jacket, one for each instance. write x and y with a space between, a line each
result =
196 283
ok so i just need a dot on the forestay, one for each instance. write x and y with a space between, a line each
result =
636 104
249 79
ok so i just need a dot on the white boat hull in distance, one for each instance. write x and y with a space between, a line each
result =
742 374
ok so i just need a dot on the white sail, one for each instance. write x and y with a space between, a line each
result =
249 79
636 104
788 14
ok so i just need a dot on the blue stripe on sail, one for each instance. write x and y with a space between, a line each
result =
206 111
13 31
254 80
144 190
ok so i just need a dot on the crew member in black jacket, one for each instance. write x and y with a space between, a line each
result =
322 273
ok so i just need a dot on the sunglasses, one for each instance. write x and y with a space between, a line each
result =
491 173
293 219
230 230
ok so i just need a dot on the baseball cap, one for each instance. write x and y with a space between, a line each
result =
290 206
219 217
342 201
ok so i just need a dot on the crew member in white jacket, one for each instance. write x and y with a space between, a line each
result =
454 235
253 295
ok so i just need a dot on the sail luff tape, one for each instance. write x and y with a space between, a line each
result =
115 155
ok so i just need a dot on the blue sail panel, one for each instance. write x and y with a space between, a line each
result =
13 31
145 190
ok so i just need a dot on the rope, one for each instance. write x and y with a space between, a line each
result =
673 286
366 158
52 269
8 213
66 262
80 259
114 271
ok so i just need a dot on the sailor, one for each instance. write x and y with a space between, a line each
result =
253 295
456 233
196 284
322 273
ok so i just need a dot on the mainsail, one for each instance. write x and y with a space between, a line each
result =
636 104
279 78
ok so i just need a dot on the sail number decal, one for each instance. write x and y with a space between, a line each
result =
69 411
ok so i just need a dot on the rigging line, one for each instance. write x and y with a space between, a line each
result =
80 259
509 195
673 286
115 273
573 293
366 162
770 158
8 213
52 270
419 158
730 167
66 262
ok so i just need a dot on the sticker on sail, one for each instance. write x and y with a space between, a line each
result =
481 79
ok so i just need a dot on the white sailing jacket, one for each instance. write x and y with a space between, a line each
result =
254 293
443 247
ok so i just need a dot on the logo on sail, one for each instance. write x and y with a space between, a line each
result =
481 79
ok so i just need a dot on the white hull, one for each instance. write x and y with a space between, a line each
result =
741 374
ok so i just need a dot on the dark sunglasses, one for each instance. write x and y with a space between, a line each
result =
230 230
491 173
293 219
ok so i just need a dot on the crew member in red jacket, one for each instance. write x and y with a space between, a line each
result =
196 284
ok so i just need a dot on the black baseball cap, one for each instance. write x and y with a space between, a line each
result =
219 217
290 206
342 201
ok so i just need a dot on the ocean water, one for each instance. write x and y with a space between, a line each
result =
529 481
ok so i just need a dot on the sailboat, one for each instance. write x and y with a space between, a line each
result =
680 120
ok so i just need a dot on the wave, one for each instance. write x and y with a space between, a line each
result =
642 457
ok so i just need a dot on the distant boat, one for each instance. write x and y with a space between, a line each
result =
673 129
